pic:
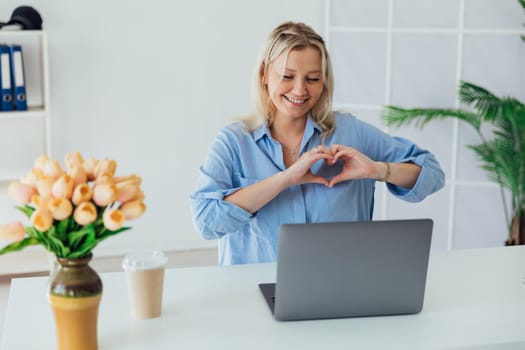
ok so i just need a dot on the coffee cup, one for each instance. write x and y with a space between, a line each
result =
145 282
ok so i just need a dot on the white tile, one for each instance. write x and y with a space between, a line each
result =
435 137
468 164
379 199
426 13
370 116
434 206
21 142
479 218
359 13
493 14
359 61
495 62
423 70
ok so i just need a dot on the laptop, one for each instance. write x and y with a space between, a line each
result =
350 269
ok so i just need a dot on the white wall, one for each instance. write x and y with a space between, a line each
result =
413 53
149 83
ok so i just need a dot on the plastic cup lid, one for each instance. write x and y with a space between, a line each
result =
144 260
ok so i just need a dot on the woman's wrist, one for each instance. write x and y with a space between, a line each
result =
386 171
283 179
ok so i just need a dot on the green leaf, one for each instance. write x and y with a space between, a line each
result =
16 246
56 244
62 226
76 239
397 116
26 210
485 102
33 232
83 250
107 233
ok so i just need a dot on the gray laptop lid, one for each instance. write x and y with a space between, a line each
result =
349 269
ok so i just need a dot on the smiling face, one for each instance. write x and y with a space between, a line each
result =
295 82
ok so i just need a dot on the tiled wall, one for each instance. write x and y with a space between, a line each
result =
413 53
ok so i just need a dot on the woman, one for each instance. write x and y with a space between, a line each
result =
297 161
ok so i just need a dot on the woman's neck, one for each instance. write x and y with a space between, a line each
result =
289 133
286 129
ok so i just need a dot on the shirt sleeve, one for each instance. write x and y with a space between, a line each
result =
212 215
383 147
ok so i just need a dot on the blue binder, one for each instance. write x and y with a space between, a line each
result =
18 78
6 91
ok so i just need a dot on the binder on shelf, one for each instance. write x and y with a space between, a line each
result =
18 78
6 90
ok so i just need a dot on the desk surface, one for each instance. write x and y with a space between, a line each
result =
475 299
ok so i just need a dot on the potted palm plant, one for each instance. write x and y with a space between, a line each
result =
502 155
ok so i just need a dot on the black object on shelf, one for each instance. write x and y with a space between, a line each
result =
25 17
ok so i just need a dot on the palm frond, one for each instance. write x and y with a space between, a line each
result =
396 116
500 165
483 100
511 122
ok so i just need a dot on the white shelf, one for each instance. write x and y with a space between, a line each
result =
22 33
32 112
24 135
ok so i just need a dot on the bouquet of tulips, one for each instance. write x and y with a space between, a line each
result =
71 210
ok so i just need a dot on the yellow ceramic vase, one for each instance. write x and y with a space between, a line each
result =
75 290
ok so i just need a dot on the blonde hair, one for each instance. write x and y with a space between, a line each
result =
284 38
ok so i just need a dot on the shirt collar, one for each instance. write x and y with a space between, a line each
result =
263 130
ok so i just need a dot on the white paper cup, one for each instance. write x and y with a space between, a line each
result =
145 281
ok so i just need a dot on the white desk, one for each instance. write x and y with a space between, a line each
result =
475 299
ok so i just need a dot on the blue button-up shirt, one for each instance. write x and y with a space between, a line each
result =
239 158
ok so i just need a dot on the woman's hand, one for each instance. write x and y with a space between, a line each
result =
300 172
356 165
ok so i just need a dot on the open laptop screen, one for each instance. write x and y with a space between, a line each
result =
350 269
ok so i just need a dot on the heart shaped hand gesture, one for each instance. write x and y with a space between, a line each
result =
300 172
356 165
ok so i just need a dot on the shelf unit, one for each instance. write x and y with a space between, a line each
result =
24 135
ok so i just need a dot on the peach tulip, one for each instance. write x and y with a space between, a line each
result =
105 166
104 178
133 209
40 162
61 208
128 189
32 177
81 193
104 194
127 178
53 169
40 202
42 220
77 173
113 219
85 213
139 195
44 186
63 187
14 231
72 159
89 166
21 192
